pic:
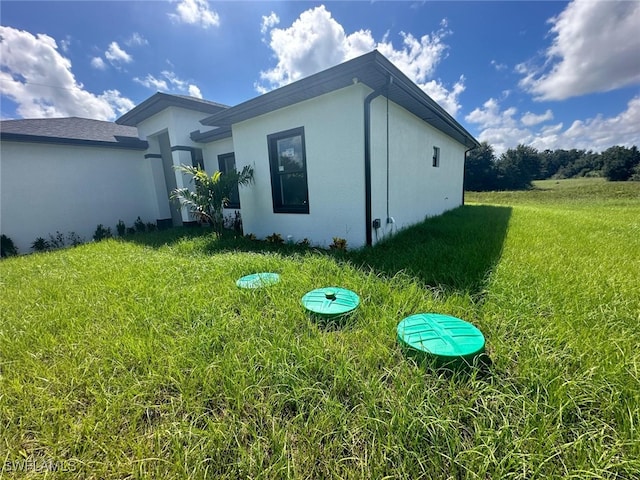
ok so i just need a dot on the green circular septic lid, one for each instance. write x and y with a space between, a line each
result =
444 337
330 301
257 280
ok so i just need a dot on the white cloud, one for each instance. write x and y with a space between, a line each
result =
116 55
268 22
600 133
98 63
501 129
530 119
196 12
136 39
152 82
491 116
194 91
121 104
39 80
174 80
447 99
170 83
316 41
595 48
498 66
65 43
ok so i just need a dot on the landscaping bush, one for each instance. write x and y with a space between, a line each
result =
101 233
121 228
7 247
40 245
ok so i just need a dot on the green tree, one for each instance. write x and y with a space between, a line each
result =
210 194
518 167
619 162
480 172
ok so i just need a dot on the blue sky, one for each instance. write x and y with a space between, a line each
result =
546 74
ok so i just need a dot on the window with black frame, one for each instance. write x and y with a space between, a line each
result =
288 162
227 163
436 156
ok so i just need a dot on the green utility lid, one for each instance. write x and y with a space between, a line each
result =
330 301
258 280
447 339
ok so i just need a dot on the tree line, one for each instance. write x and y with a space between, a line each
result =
518 167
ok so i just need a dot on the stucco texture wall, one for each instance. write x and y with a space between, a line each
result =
333 126
48 188
417 189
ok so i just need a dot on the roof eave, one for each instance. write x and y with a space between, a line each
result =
134 144
372 69
159 102
214 135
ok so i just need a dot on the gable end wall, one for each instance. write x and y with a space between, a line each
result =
416 189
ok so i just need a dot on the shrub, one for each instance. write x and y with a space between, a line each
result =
338 244
275 238
250 236
304 242
7 247
56 241
151 227
211 193
234 222
140 225
74 239
131 230
101 233
121 228
40 245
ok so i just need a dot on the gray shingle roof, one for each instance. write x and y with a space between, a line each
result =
72 130
159 101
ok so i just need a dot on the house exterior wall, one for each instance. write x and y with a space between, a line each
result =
417 189
69 188
177 122
334 131
210 152
167 129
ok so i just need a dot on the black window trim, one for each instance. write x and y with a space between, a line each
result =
222 168
436 156
278 207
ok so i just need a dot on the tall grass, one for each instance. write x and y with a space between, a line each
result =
142 359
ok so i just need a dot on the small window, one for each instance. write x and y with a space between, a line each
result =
196 158
288 171
227 163
436 156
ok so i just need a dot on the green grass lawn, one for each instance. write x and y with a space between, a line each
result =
140 358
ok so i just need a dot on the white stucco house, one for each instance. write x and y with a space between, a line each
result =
356 151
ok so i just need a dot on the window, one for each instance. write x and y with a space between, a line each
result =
226 164
436 156
196 158
288 171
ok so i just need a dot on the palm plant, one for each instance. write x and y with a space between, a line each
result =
211 193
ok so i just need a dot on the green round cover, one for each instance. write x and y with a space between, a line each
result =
257 280
446 338
330 301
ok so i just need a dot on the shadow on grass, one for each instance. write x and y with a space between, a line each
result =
454 251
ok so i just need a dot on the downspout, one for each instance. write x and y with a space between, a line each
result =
367 159
387 144
464 169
